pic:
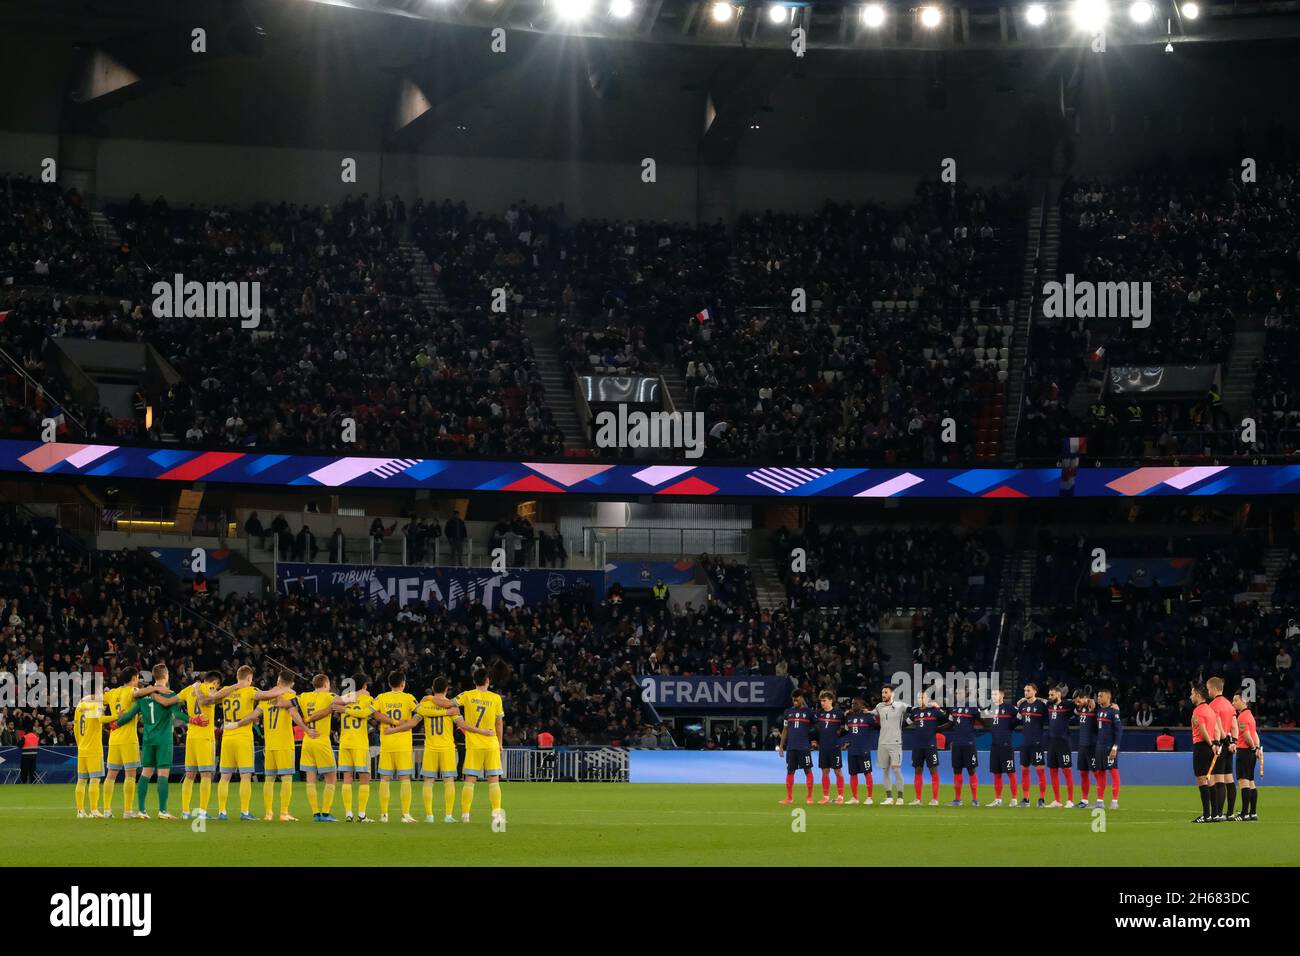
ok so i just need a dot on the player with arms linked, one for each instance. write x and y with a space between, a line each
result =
795 746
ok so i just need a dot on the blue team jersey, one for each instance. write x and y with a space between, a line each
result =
926 721
829 723
858 730
1033 714
797 721
963 725
1002 721
1087 718
1058 720
1109 727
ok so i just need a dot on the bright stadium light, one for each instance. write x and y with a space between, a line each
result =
1090 15
1141 12
1191 11
620 9
1035 14
572 9
721 12
873 15
778 13
930 17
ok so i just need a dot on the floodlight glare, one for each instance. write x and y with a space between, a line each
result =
778 13
572 9
1141 12
873 15
1035 14
620 9
721 12
1090 15
1191 11
930 17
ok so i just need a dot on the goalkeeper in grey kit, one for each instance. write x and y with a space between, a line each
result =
891 713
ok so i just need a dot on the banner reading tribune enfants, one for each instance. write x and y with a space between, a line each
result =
451 588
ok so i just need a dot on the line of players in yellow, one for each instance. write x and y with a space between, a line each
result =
125 709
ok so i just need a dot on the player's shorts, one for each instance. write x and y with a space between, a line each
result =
1224 766
1086 761
278 763
965 757
890 758
392 764
1246 760
318 757
859 763
1032 755
237 755
200 754
1002 758
439 763
124 756
483 762
925 757
829 759
1202 757
90 764
1105 761
354 759
1059 756
156 756
794 760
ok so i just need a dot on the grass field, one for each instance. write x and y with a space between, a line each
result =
660 825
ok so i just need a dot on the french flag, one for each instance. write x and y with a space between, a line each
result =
703 316
1098 355
1074 447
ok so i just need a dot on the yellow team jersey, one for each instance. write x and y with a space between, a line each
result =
187 698
235 708
277 725
398 706
87 726
116 703
480 708
313 702
354 729
439 726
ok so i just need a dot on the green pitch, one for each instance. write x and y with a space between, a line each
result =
660 825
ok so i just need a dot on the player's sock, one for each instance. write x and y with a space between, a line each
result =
205 795
1024 781
187 794
128 793
109 783
223 795
1056 785
141 793
1254 797
363 798
934 786
839 784
1099 778
313 799
268 795
808 779
1069 786
974 788
81 796
428 796
449 793
1114 783
1220 797
997 786
1232 798
1206 810
286 793
1012 777
916 782
789 786
327 799
870 786
406 796
347 799
245 795
956 786
826 783
467 793
383 798
1085 782
164 786
1042 785
92 797
494 794
853 786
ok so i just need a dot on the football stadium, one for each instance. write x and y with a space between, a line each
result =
651 434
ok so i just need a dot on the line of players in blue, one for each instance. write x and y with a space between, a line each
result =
1044 726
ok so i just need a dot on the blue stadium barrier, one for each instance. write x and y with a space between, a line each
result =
764 766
